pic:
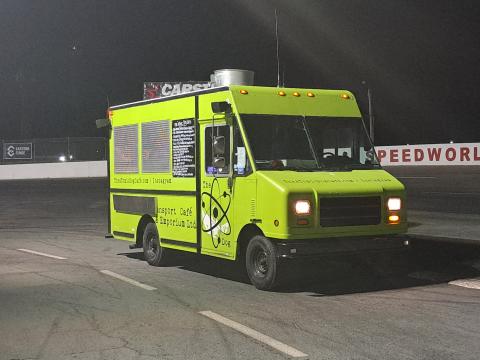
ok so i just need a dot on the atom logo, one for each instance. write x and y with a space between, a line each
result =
215 206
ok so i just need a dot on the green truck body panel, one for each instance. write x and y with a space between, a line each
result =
205 213
265 100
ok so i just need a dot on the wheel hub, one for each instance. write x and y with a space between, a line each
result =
261 262
152 246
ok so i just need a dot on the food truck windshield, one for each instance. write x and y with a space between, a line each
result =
309 143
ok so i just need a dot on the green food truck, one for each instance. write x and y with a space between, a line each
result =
260 174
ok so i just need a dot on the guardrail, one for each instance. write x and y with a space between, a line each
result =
86 157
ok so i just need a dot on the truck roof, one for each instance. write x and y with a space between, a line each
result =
170 97
258 90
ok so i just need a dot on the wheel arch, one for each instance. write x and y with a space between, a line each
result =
247 232
144 221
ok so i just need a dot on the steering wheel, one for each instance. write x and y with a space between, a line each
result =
277 164
329 153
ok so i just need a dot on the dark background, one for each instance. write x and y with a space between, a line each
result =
60 60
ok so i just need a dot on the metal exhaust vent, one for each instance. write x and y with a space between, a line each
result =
226 77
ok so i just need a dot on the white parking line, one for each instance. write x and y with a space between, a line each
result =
277 345
128 280
467 283
42 254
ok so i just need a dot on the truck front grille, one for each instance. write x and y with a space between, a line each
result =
350 211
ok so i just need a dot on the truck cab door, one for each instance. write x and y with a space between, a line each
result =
216 190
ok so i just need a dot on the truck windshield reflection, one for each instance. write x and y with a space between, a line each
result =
309 143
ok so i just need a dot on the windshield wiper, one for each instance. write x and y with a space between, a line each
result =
361 166
310 142
291 168
298 168
336 169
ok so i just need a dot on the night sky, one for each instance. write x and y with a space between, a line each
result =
60 60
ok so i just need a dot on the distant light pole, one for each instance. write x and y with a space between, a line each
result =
370 110
74 54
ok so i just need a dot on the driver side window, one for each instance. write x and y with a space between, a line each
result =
241 163
210 134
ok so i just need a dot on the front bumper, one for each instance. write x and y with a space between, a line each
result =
317 247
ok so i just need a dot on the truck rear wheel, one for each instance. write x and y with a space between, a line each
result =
262 263
153 252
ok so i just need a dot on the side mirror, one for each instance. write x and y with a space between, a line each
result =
101 123
219 162
221 107
218 146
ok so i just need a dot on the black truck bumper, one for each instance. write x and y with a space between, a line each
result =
317 247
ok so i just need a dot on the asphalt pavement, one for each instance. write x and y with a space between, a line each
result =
66 292
443 202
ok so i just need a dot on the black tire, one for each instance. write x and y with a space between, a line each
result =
152 251
262 263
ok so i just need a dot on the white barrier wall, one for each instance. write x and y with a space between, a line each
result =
54 170
430 154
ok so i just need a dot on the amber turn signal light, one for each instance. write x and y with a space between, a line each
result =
302 222
393 219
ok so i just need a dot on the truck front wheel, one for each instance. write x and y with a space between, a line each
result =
152 250
262 263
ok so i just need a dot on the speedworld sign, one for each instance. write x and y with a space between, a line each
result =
17 151
153 90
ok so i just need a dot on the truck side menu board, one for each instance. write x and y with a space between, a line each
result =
183 148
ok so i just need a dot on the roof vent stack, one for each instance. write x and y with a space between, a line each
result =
225 77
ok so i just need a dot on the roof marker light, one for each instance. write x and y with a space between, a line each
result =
345 96
310 94
282 93
243 92
296 93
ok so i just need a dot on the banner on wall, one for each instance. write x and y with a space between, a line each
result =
429 154
153 90
17 151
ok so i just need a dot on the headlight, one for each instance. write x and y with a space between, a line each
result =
302 207
394 204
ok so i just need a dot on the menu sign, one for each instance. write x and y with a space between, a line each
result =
183 148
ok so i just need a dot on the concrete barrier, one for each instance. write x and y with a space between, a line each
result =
80 169
425 154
